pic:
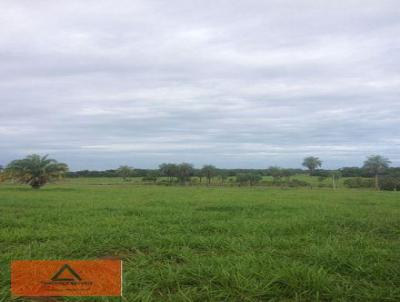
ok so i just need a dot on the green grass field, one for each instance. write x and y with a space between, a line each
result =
212 244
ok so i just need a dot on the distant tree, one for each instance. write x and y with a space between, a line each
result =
223 175
242 178
36 170
151 176
198 173
209 171
184 172
321 172
376 164
249 178
393 172
312 163
125 172
169 170
254 178
359 182
287 173
353 172
275 172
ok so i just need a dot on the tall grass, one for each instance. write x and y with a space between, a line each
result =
212 244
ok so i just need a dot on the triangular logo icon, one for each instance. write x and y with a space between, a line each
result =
66 273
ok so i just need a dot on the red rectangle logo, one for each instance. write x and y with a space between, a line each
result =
42 278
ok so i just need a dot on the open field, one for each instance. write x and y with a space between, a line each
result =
212 244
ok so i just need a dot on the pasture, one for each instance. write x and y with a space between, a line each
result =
211 244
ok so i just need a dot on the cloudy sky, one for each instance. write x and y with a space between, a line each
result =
244 83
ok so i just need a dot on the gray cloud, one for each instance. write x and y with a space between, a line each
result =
236 84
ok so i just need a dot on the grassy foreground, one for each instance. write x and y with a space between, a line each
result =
213 244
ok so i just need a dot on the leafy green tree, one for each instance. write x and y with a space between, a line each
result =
169 170
125 172
36 170
184 172
376 165
209 171
312 163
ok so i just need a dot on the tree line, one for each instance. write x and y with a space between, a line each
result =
37 170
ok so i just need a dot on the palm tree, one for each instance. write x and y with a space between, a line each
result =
312 163
376 164
35 170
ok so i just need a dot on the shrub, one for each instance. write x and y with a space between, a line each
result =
359 182
248 178
293 183
149 178
389 183
164 182
297 183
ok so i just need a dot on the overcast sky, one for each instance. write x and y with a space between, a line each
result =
241 83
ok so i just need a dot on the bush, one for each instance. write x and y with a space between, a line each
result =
321 173
164 182
149 178
297 183
353 172
248 178
293 183
389 183
359 182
